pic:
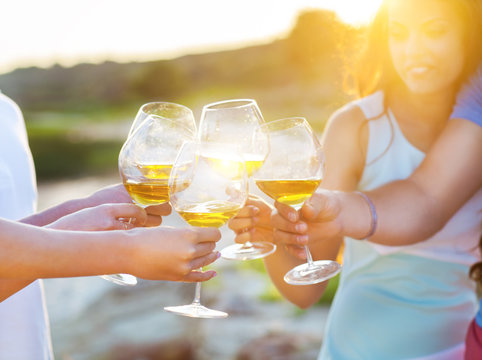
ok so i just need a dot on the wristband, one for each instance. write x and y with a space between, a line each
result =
373 215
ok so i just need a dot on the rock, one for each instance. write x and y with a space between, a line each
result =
280 346
175 349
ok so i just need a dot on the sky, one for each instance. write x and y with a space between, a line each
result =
67 32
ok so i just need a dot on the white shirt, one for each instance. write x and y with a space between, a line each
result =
24 330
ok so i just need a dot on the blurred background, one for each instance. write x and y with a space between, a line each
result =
80 70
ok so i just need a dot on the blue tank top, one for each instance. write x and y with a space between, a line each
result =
402 302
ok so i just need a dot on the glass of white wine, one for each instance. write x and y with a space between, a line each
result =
206 192
290 174
235 122
145 163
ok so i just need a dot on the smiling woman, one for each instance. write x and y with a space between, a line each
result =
391 302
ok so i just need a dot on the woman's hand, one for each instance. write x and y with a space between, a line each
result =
110 194
105 217
317 220
118 194
172 254
252 223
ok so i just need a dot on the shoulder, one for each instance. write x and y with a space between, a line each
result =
345 142
347 117
356 113
348 124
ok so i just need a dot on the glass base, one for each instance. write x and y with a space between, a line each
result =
317 272
121 279
196 311
257 250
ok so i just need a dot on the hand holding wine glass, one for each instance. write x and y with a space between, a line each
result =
206 191
290 174
146 159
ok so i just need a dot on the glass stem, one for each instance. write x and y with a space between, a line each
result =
309 258
197 293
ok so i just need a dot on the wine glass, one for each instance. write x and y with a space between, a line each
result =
176 112
145 163
206 191
290 174
235 122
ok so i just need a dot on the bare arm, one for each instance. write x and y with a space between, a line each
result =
111 194
413 209
161 253
102 217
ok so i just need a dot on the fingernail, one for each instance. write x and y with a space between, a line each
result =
218 255
255 210
301 227
303 239
214 273
291 216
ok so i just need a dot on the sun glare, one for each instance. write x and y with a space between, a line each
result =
150 29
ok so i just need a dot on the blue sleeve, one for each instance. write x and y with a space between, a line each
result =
469 100
478 317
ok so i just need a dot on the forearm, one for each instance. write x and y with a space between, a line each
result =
108 195
56 212
30 252
412 214
397 221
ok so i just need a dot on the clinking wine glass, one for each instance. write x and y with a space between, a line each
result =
145 163
235 122
172 111
206 191
290 174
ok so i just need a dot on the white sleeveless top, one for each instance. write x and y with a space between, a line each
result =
404 302
24 330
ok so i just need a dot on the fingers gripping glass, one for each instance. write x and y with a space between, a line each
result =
236 122
290 174
206 191
146 158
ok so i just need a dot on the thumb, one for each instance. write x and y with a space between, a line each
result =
322 206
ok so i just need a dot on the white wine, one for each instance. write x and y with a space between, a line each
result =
148 193
155 171
252 166
209 214
290 192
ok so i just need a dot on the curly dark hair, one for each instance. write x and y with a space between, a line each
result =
475 271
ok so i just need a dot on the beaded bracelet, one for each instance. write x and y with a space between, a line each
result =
373 214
